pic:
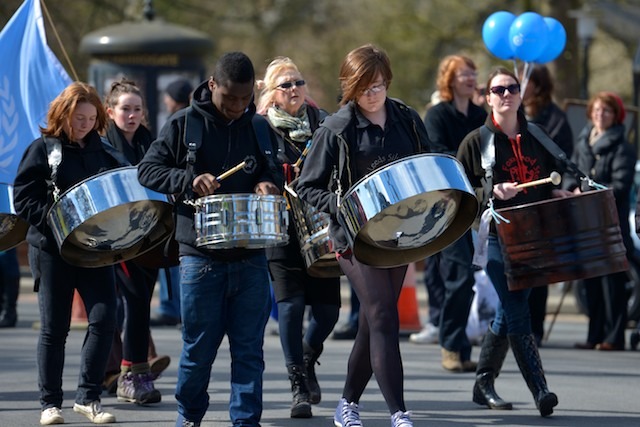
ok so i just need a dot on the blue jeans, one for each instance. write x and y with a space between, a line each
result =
57 281
169 306
221 298
512 314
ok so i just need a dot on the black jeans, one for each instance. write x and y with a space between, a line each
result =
456 271
57 282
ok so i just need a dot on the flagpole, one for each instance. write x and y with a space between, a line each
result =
55 32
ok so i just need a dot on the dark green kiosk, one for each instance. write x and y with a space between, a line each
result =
151 52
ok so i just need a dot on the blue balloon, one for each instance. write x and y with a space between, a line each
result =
557 41
495 34
528 36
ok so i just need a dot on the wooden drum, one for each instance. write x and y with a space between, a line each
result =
562 239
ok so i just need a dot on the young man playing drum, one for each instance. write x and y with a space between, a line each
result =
223 291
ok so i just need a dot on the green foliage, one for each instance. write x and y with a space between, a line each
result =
315 34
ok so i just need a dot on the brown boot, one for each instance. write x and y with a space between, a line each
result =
451 361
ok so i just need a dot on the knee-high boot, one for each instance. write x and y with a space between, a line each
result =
526 353
494 350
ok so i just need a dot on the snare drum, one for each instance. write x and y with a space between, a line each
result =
249 221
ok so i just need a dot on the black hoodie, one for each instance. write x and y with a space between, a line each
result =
224 145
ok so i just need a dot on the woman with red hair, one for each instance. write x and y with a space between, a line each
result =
603 152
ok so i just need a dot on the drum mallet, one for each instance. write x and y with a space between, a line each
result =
231 171
555 178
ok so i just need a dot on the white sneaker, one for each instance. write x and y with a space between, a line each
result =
51 416
428 335
401 419
93 411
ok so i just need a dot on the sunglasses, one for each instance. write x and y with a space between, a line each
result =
513 89
289 85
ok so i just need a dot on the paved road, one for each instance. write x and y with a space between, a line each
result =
594 388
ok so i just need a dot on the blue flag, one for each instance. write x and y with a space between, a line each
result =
30 78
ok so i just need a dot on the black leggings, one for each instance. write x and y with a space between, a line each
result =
376 349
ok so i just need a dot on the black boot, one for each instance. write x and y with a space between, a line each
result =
10 315
310 359
526 353
494 350
300 406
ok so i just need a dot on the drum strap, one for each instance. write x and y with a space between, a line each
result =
487 159
54 158
555 150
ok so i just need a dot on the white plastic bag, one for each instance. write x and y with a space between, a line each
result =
483 307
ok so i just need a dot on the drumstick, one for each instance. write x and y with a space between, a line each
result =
290 190
303 155
231 171
554 178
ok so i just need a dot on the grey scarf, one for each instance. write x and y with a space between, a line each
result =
298 127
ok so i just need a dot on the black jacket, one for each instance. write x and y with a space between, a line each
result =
611 162
33 192
141 141
555 122
223 145
447 127
330 167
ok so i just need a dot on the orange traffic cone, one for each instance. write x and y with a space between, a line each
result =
78 312
408 312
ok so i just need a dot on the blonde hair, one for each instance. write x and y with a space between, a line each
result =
268 85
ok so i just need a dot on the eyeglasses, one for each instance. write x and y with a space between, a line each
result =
469 75
513 89
289 85
374 90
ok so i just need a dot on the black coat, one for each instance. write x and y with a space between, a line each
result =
611 162
33 192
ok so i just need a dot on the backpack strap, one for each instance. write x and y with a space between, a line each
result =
262 131
54 158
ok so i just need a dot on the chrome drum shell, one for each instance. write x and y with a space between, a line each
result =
312 231
108 218
250 221
408 210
